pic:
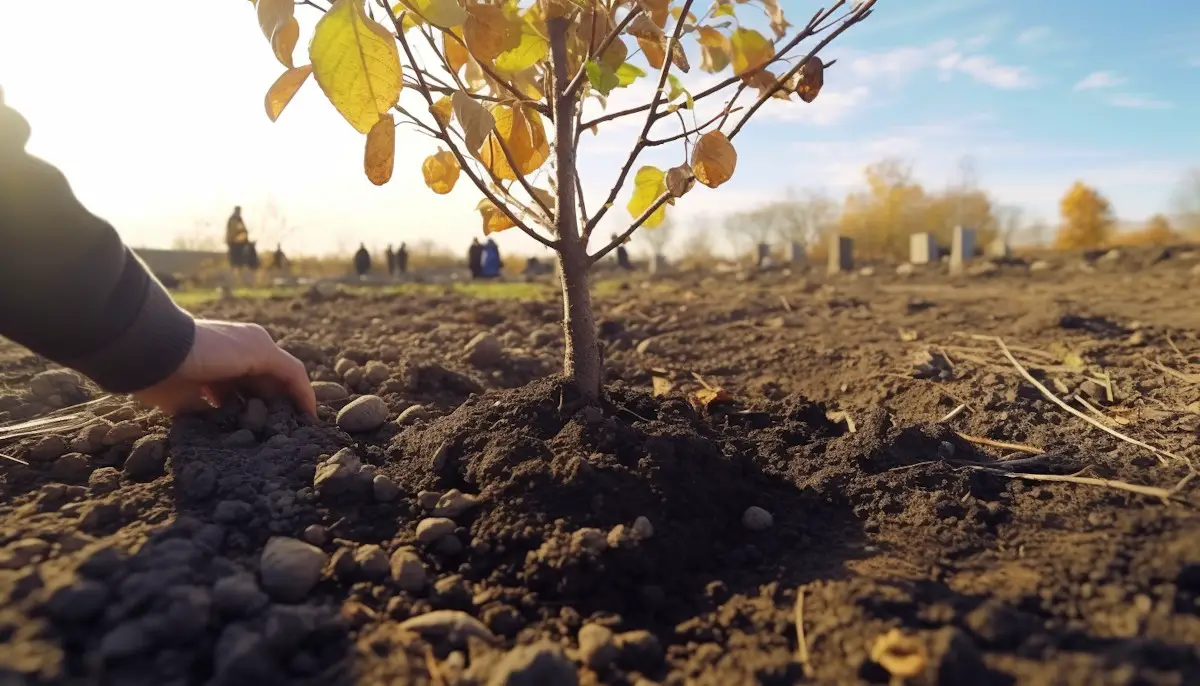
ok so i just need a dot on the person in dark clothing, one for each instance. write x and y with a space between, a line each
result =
236 238
474 257
622 256
73 293
362 261
390 255
279 260
251 256
402 259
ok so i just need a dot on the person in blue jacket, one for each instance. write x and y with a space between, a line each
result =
491 264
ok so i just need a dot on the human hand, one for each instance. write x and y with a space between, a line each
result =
226 356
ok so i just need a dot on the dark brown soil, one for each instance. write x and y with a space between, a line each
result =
139 559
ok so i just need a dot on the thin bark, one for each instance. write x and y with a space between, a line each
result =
581 363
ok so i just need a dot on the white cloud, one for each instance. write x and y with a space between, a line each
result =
1034 35
949 58
1098 80
987 70
1138 102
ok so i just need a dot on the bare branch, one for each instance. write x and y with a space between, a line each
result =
858 16
583 214
650 118
445 136
512 163
311 4
637 223
608 40
688 132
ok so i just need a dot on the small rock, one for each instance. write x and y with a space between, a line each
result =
238 595
642 528
597 646
408 570
428 499
389 353
48 449
61 382
412 414
91 438
232 511
372 562
757 519
127 431
639 650
1097 392
534 665
290 568
906 269
104 480
255 416
343 565
503 619
376 373
650 346
338 474
366 413
344 365
71 468
1039 266
590 539
242 438
328 391
354 378
484 350
448 546
315 534
454 503
431 529
385 489
148 459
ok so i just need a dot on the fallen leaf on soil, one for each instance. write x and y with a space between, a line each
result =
902 656
707 397
908 335
661 385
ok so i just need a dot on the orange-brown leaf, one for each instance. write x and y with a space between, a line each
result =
810 79
380 155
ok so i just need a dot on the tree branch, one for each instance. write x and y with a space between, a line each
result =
445 136
686 133
650 118
577 80
512 164
820 16
637 223
858 15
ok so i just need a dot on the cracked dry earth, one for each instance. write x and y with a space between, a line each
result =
458 516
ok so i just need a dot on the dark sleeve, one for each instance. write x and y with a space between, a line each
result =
69 288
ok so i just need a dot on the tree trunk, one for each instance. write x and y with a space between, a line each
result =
582 363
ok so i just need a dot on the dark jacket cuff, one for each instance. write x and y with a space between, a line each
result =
149 350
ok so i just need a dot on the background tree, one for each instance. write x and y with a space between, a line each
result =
1185 202
658 239
881 217
1087 218
750 228
502 69
1157 231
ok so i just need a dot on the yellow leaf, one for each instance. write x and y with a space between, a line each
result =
489 31
712 38
655 53
442 110
779 24
272 14
454 51
713 159
705 398
713 60
494 218
284 89
443 14
680 180
522 131
658 10
531 48
810 79
380 154
356 64
283 41
408 19
648 185
751 50
440 171
644 27
475 119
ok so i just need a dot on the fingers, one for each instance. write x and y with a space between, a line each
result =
290 374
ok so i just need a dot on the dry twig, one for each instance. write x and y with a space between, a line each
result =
801 639
1019 447
952 413
1153 491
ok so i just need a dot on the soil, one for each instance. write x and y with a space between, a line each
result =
528 537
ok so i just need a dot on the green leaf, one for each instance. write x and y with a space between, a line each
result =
677 90
723 11
532 49
603 80
628 73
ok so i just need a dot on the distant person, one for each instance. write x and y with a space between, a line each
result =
622 255
362 261
390 256
402 259
490 263
236 238
279 260
475 258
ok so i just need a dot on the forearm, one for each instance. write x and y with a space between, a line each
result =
69 288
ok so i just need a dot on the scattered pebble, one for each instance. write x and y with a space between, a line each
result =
338 474
408 570
126 431
639 649
757 519
91 438
540 663
328 391
376 373
454 503
315 534
484 350
71 468
365 413
148 459
344 365
597 646
290 568
372 562
104 480
428 499
642 528
384 488
238 595
48 449
412 414
431 529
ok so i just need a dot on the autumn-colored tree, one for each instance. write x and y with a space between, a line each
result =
502 69
881 218
1087 218
1157 231
1185 202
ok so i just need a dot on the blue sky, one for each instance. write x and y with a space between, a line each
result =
162 131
